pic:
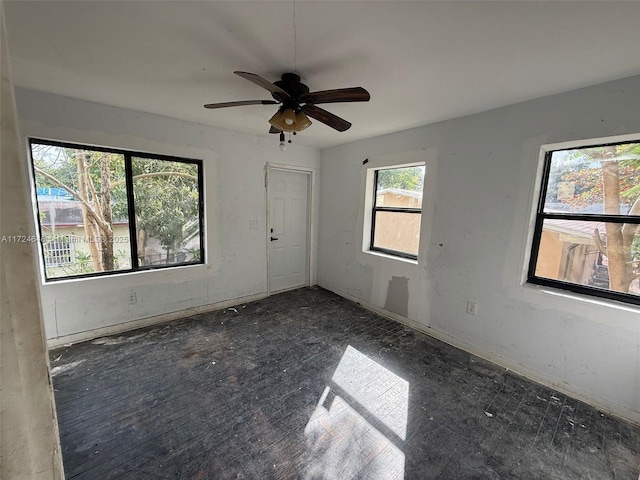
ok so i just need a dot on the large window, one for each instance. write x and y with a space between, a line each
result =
586 237
397 211
103 211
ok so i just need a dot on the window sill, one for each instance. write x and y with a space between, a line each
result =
392 257
120 274
581 298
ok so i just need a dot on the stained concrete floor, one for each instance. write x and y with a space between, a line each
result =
307 385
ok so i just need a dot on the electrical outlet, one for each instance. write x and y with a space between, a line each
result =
472 307
132 298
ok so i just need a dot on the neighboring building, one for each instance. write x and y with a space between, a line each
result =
64 243
66 246
569 253
398 232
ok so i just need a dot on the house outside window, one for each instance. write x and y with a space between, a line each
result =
104 211
586 236
397 210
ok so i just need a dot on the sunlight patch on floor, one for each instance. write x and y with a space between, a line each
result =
358 427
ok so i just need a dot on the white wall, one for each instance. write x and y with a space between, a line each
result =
29 439
234 168
481 175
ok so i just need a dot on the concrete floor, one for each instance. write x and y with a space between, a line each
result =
308 385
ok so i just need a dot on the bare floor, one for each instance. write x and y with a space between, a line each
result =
307 385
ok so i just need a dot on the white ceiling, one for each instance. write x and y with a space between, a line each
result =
421 61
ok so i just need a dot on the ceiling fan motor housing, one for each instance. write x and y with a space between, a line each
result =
290 83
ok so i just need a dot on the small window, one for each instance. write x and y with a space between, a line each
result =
397 211
104 211
57 251
586 236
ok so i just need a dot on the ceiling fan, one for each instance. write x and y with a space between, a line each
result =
296 102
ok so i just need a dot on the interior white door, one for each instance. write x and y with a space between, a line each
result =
288 229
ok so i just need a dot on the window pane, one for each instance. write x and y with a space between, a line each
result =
82 202
400 187
397 231
569 252
596 180
167 206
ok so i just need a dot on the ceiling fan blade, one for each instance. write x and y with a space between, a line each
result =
327 118
258 80
274 130
240 103
354 94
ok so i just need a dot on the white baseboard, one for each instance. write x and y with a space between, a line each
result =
572 391
145 322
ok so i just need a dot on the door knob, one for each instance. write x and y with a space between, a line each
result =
273 239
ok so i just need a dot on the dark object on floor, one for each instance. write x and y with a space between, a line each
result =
306 384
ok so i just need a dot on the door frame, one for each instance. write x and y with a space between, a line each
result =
311 220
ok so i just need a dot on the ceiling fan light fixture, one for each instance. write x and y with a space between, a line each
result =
278 121
288 120
289 116
302 121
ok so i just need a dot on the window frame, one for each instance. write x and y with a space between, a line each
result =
375 209
128 156
541 216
